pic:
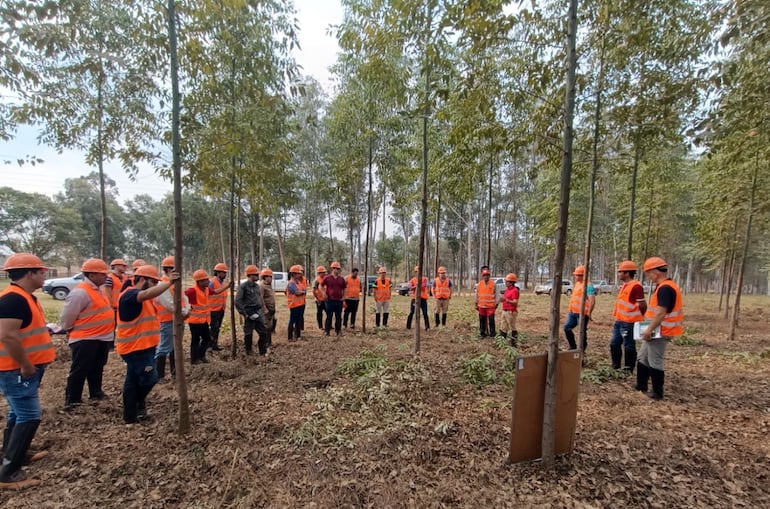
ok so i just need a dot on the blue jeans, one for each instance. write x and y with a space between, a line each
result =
140 369
166 345
623 334
21 394
573 319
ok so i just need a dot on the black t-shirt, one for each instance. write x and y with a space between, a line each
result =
666 297
129 308
13 305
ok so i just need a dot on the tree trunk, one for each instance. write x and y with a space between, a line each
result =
489 210
438 225
632 210
366 244
279 241
549 410
100 150
231 217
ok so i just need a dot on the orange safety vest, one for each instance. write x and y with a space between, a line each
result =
117 284
295 301
671 326
353 288
382 289
625 310
141 333
35 339
424 292
318 293
217 302
165 315
485 293
98 319
441 290
577 294
199 312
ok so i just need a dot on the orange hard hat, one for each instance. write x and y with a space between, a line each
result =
381 270
220 267
580 270
95 265
485 272
511 277
200 275
442 270
266 272
23 261
627 266
654 263
168 262
138 263
320 269
252 270
295 269
118 261
147 271
336 265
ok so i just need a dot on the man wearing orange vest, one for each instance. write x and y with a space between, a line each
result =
442 292
573 316
296 291
382 294
218 302
165 305
138 334
664 311
200 317
25 351
248 302
89 321
114 282
352 297
424 295
320 297
630 307
487 300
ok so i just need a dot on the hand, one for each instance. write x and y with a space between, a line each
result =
28 371
174 275
254 316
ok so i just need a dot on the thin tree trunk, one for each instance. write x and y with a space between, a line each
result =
731 270
489 210
366 244
632 210
423 215
549 410
438 225
231 216
279 241
723 283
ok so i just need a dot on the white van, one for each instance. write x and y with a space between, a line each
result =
280 280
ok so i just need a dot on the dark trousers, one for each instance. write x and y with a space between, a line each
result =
423 308
141 377
216 325
573 319
249 326
333 307
200 337
320 307
88 360
351 309
295 321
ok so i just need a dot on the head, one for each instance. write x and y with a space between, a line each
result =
656 269
220 271
579 273
485 274
26 270
354 273
145 277
95 270
442 273
167 265
118 266
295 272
320 271
382 272
510 280
627 271
266 275
201 278
336 268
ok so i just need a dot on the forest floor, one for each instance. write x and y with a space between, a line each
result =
360 422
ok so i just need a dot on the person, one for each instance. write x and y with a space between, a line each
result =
303 281
424 295
296 291
333 287
318 293
218 302
664 311
114 282
138 333
352 297
165 306
510 308
200 317
573 316
248 302
630 307
89 320
25 351
487 300
442 292
382 294
129 281
267 294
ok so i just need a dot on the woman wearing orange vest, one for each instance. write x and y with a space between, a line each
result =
90 322
573 316
137 335
218 302
352 297
664 311
320 296
424 295
295 299
630 307
25 351
487 300
382 294
442 292
200 317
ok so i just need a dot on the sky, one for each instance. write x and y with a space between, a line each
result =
318 51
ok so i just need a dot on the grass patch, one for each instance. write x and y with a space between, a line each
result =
479 370
367 362
688 341
603 373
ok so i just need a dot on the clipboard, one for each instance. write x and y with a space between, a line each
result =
641 327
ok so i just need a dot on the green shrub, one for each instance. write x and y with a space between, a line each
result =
366 363
603 373
479 370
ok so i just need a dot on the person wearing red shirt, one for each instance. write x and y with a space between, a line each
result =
510 308
333 287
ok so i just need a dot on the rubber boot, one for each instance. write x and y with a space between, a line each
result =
409 322
160 365
514 337
385 319
438 322
482 326
616 353
7 434
172 364
291 333
658 378
129 406
248 340
571 339
642 376
14 454
630 360
72 396
377 320
504 335
443 319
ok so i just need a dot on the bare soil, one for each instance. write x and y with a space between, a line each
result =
294 430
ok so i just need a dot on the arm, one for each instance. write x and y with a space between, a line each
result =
660 312
156 290
221 289
76 302
11 340
239 300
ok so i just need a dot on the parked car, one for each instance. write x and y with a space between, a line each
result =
60 287
371 284
603 287
280 281
500 284
403 288
566 287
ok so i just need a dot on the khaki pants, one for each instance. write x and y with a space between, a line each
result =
382 306
509 321
441 306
